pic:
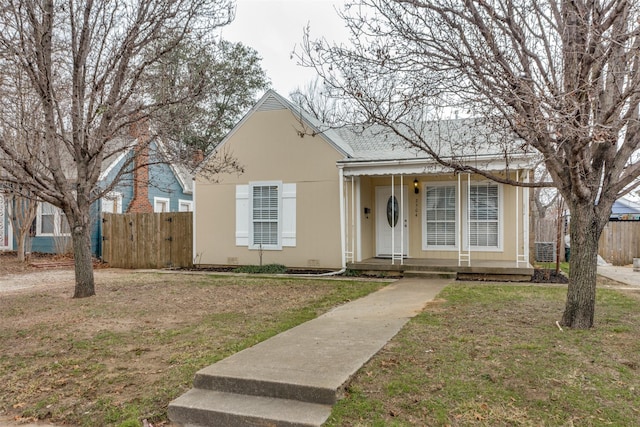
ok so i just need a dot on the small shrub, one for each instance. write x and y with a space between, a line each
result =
349 272
262 269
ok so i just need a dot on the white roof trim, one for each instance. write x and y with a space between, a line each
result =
117 160
423 166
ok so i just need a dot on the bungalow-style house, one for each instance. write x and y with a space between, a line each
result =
155 186
356 198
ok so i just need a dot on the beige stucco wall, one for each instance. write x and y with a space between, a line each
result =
511 222
269 149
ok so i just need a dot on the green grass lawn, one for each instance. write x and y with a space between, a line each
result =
492 355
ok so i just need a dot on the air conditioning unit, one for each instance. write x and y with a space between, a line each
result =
545 251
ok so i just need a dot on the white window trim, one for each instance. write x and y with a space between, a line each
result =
162 200
278 246
500 246
57 218
188 203
115 196
426 247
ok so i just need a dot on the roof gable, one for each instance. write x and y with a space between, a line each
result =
272 101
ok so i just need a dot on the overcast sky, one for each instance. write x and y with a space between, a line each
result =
275 27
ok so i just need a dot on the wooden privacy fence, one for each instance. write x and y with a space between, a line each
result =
620 242
148 240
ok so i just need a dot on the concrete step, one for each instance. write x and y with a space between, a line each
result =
430 274
204 408
257 385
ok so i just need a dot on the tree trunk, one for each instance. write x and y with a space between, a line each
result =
22 244
85 285
581 293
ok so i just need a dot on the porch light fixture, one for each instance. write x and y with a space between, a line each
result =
415 186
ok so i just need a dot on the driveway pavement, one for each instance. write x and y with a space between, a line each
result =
624 274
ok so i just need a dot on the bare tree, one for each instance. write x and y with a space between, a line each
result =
19 120
87 63
316 100
22 211
564 76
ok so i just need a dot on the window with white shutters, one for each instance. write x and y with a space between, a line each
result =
266 215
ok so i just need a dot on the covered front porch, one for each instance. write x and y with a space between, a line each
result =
406 218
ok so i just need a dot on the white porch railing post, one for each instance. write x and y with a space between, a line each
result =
517 219
342 219
392 222
402 219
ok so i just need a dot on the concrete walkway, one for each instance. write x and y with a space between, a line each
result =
294 378
624 274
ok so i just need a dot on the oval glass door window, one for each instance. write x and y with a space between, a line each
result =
392 211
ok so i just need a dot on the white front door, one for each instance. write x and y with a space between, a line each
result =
392 210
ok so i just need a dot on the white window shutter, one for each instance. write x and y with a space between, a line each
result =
242 215
289 215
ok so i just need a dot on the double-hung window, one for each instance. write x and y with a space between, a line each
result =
51 221
161 204
440 217
484 215
266 215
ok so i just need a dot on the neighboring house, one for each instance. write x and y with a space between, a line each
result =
157 187
345 196
626 208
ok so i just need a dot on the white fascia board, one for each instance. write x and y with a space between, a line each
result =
105 173
424 167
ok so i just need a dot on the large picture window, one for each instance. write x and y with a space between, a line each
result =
484 217
440 216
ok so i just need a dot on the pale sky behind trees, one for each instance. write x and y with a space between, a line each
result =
275 27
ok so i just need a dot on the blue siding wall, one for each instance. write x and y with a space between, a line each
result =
163 183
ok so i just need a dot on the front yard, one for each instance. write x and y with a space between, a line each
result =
121 356
481 354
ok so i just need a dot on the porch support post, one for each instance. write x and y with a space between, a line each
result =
464 255
352 229
459 233
358 222
401 219
342 219
525 223
517 219
393 226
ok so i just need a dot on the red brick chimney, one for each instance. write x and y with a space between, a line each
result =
140 202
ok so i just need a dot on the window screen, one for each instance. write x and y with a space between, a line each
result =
441 216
